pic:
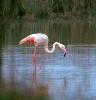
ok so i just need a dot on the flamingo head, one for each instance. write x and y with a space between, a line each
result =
27 40
62 47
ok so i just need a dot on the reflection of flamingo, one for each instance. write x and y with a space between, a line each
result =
35 82
41 39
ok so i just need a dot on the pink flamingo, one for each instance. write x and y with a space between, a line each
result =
41 39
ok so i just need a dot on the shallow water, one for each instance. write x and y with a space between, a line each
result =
60 78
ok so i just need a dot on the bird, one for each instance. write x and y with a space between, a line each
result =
41 39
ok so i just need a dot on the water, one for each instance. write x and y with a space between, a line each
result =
60 78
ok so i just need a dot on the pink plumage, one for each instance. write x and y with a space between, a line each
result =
41 39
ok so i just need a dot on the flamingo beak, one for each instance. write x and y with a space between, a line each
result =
65 51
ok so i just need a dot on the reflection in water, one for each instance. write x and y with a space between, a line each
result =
69 78
35 85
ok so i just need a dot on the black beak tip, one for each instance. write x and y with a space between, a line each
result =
64 54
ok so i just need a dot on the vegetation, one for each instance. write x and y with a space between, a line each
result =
44 8
14 95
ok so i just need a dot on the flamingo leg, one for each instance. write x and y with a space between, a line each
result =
34 58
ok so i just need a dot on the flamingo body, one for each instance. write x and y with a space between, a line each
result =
37 39
41 39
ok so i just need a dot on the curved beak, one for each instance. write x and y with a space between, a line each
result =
65 51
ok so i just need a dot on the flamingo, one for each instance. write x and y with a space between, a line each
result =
41 39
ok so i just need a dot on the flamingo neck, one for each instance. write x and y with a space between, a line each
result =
53 49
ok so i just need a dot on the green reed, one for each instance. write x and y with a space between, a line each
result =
44 8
